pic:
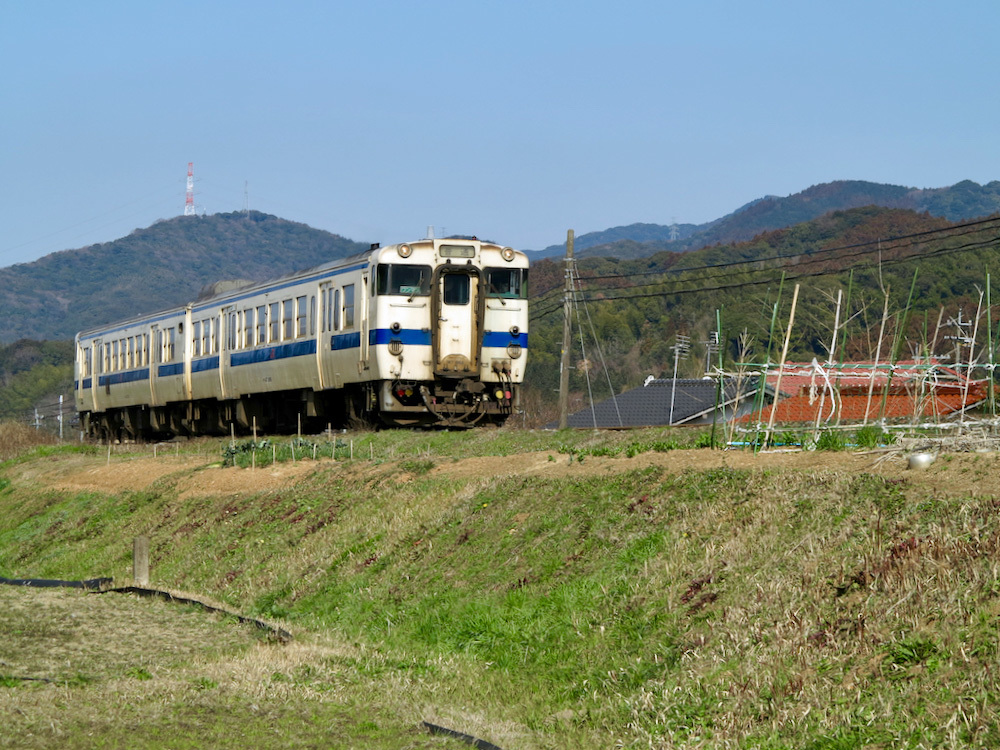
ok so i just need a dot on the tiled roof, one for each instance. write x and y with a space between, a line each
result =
796 375
853 405
650 405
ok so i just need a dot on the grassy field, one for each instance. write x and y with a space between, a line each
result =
536 590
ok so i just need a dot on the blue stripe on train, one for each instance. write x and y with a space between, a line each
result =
202 365
503 338
345 341
408 336
271 353
123 377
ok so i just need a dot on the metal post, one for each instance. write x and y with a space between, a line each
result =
567 336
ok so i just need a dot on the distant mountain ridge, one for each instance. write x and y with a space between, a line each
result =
962 201
151 269
174 260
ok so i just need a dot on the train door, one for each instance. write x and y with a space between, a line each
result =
363 323
155 345
95 381
87 357
457 330
328 302
226 333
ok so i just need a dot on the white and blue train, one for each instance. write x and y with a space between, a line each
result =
432 332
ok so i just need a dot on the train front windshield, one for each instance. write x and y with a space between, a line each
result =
406 279
510 283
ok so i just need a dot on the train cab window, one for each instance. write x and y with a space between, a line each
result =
300 316
261 324
456 289
349 306
274 313
509 283
288 319
403 279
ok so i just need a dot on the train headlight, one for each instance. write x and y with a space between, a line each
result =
396 328
404 251
514 330
513 350
507 254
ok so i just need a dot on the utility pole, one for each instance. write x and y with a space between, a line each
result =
567 335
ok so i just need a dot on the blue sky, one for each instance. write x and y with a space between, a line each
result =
514 121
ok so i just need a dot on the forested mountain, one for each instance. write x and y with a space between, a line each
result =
155 268
631 311
964 200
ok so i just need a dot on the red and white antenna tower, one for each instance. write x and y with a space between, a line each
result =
189 197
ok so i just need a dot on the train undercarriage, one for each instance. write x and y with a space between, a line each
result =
448 404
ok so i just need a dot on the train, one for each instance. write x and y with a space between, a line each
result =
426 333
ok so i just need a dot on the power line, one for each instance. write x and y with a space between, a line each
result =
544 310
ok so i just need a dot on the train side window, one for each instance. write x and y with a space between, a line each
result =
301 317
232 329
312 315
129 352
274 313
288 319
168 345
114 355
123 354
349 306
196 339
247 327
261 324
336 310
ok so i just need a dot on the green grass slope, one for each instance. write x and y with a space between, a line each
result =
552 591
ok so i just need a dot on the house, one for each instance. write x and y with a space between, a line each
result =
912 390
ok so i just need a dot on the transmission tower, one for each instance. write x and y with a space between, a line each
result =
189 197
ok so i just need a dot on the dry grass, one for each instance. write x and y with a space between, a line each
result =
547 600
16 439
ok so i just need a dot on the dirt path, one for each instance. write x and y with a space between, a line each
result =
195 476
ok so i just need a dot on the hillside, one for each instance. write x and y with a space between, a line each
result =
154 268
962 201
634 309
543 591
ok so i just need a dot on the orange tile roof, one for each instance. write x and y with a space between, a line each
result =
900 402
